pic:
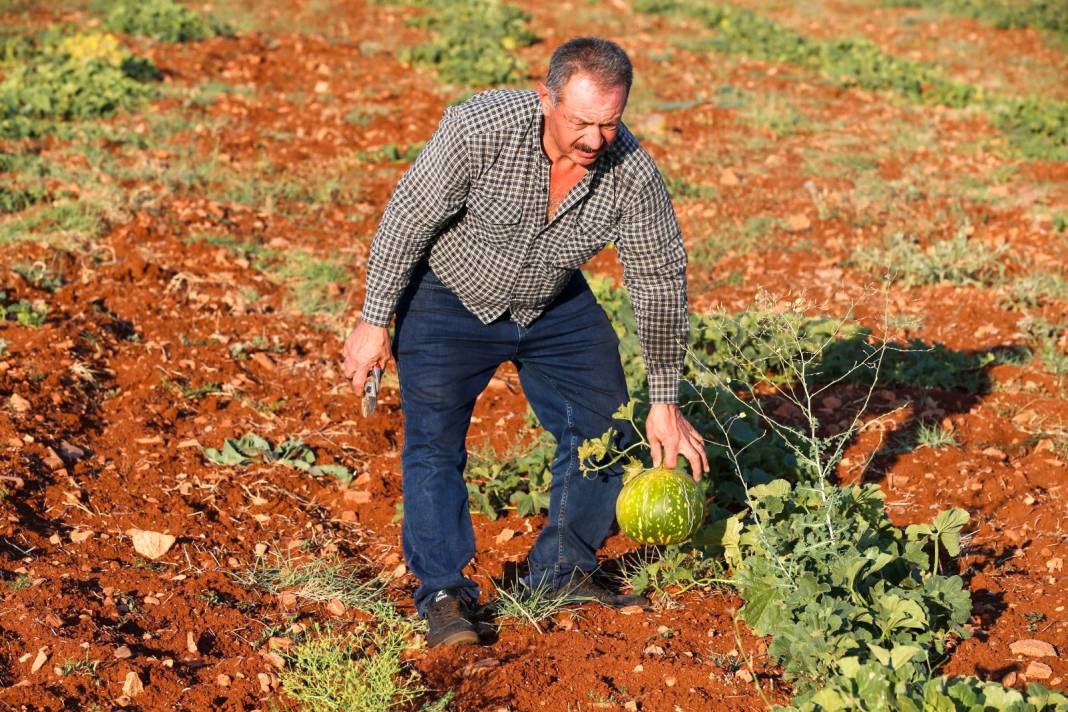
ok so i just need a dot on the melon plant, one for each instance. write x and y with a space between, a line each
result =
658 505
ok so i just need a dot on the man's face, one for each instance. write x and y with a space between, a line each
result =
584 120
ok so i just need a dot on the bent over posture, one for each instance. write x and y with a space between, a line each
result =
477 258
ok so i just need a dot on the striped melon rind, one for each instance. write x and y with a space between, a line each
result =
660 506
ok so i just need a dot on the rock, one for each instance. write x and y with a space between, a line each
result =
18 403
798 223
53 461
265 682
132 686
670 681
996 454
40 660
70 453
80 535
480 667
122 652
288 599
357 496
1038 671
1009 680
53 620
336 607
151 545
191 643
729 178
1033 648
504 536
263 360
629 610
277 643
744 675
222 680
273 658
653 650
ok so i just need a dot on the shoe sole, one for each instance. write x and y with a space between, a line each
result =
460 637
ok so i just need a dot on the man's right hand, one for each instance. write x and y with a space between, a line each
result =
366 346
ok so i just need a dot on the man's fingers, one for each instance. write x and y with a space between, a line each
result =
655 450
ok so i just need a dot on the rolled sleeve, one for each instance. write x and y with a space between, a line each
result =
431 192
654 271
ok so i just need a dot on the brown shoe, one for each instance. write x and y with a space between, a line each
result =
584 587
447 621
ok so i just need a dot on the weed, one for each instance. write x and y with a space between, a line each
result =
532 605
291 452
958 260
519 479
312 281
1048 342
320 581
362 669
85 667
474 42
1035 289
19 583
1049 15
39 275
22 312
76 77
934 436
163 20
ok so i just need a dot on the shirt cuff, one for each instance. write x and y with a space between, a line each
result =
376 310
663 386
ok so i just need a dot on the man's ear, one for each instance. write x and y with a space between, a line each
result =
546 98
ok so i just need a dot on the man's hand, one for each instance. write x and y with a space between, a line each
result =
366 346
670 435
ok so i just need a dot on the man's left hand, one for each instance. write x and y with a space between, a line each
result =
670 435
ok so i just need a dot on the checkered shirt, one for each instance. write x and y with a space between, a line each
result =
474 203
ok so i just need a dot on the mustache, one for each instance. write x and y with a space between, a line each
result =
583 147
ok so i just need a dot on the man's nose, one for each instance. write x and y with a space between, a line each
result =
593 138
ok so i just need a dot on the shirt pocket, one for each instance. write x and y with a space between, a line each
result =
494 219
578 245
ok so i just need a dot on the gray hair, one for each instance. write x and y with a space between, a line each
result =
603 60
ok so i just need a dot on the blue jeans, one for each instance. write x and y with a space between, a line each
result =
568 363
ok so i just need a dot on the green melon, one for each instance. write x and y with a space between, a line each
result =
659 506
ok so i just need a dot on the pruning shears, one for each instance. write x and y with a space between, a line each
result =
370 391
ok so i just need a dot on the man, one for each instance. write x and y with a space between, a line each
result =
477 256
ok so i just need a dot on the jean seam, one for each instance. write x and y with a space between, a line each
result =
567 478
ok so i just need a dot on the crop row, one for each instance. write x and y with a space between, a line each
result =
1036 125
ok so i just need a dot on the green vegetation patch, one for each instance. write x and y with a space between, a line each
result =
957 260
163 20
23 312
362 669
1037 126
1051 15
291 452
76 77
475 42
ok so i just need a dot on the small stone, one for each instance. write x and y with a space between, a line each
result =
122 652
729 178
798 223
1033 648
638 668
288 599
653 650
40 660
631 706
151 545
222 680
273 658
1009 680
260 550
265 682
504 536
1038 671
79 535
53 620
132 686
996 454
670 681
191 643
336 607
357 496
744 675
18 403
630 610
